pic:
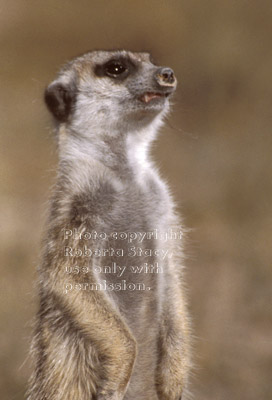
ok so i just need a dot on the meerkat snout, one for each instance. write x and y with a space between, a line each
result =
166 77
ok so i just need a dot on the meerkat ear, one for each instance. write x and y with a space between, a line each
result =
60 98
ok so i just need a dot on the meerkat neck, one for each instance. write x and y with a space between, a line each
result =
125 155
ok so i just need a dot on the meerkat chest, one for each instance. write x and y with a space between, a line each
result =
134 258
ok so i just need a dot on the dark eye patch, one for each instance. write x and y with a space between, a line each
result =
116 68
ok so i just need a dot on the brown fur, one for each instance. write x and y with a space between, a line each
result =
95 344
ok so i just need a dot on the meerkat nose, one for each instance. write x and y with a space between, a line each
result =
165 77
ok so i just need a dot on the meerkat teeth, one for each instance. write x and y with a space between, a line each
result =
147 97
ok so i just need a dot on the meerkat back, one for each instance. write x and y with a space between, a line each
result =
112 321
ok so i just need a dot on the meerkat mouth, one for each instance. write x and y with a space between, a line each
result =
148 96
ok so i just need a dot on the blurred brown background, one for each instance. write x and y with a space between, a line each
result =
215 151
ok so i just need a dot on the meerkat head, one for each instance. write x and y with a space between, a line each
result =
110 90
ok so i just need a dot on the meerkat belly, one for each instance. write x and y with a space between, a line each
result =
138 300
135 281
132 270
133 278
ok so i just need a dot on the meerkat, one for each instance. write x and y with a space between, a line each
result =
112 321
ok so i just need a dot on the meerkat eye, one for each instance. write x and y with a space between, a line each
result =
115 68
